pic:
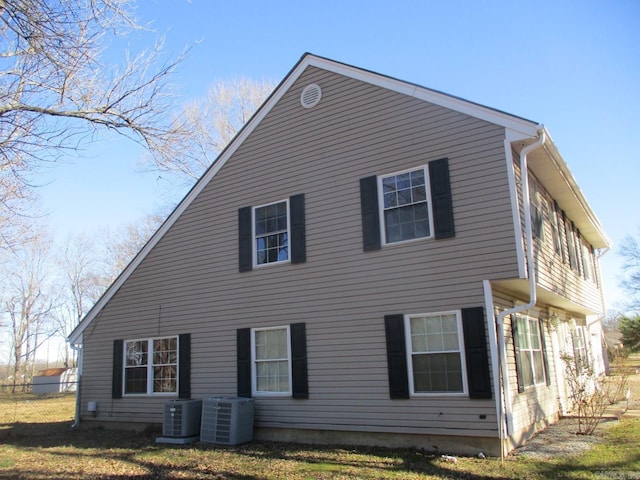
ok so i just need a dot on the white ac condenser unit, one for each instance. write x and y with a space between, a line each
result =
227 420
182 418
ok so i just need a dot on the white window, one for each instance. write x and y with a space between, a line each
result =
587 265
580 348
556 231
271 361
405 206
271 233
529 351
151 366
435 359
537 207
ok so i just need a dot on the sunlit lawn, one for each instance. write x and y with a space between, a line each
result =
30 408
53 450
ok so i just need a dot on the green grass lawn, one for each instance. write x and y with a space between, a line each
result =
55 451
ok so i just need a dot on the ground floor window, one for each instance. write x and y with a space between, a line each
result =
580 347
435 353
529 351
271 361
151 366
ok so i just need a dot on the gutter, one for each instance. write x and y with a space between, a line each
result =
78 350
505 409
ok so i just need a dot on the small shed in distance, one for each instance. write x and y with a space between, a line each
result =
55 380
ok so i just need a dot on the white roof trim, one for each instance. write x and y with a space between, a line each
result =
511 122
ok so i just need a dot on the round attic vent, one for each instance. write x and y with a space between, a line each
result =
311 95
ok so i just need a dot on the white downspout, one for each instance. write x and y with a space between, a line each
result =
524 181
78 350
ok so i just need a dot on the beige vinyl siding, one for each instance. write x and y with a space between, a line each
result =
552 273
189 282
537 403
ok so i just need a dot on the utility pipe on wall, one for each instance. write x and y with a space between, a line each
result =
78 350
531 274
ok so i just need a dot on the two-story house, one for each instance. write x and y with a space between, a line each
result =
373 262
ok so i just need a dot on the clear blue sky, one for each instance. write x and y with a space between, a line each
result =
572 65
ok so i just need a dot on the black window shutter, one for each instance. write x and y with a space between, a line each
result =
116 382
580 253
243 346
561 230
299 379
370 214
516 349
245 240
543 345
441 199
396 356
298 230
184 365
475 346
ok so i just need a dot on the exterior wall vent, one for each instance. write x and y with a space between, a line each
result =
311 95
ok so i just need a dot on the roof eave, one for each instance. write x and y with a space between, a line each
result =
552 170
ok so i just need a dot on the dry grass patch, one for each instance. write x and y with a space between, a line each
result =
30 408
55 451
47 451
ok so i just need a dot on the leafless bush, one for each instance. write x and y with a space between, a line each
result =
590 393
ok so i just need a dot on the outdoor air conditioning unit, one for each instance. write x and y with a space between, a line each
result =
181 421
227 420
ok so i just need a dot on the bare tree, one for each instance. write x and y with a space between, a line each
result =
630 251
211 123
123 245
28 304
56 92
83 280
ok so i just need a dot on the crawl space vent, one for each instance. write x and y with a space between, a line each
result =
311 95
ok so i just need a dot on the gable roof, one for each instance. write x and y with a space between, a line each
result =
518 127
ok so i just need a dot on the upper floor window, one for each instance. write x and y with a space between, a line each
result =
407 205
587 262
537 204
151 366
557 228
271 231
405 209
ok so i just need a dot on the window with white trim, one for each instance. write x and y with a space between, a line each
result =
537 207
271 233
528 345
587 262
556 232
435 359
151 366
405 208
271 361
580 348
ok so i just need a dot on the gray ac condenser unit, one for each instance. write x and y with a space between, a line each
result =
182 418
227 420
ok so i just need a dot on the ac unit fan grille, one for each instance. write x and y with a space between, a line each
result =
227 421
